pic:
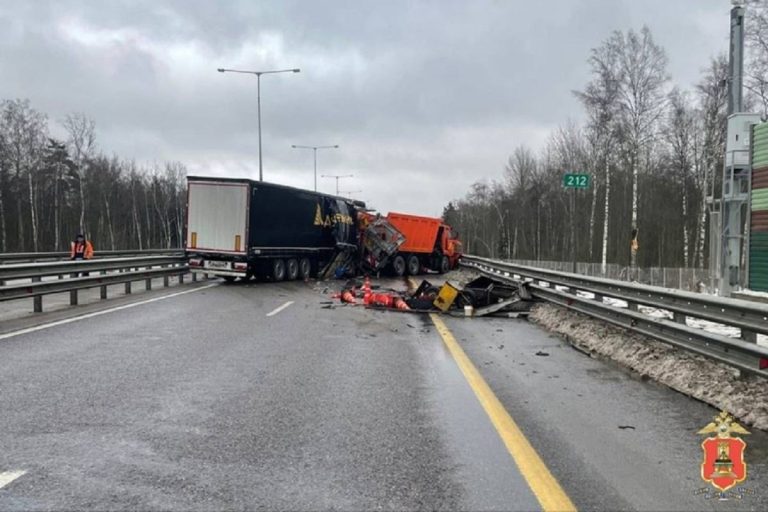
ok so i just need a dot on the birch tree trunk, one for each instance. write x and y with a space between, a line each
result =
56 214
109 223
702 229
635 176
81 181
685 227
592 210
606 210
3 235
32 211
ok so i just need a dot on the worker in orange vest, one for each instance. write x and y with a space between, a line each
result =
81 249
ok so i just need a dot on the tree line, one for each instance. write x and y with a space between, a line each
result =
52 189
654 151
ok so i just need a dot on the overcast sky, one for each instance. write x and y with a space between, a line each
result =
423 97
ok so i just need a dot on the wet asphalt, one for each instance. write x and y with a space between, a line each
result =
203 402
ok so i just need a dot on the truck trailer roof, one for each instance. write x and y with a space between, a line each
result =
216 179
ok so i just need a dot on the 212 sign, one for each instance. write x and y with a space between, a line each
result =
576 180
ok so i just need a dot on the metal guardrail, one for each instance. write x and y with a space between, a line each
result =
106 272
19 257
749 317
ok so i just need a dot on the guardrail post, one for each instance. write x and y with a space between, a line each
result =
104 287
749 336
148 283
73 297
194 277
37 300
127 287
181 278
632 306
166 278
679 318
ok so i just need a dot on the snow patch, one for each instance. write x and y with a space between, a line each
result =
744 396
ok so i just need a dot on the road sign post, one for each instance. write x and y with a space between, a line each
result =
574 181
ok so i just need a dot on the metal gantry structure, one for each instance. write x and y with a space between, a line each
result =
727 212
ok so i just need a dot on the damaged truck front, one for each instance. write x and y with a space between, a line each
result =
244 228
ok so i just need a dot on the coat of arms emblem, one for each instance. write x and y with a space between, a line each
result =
723 465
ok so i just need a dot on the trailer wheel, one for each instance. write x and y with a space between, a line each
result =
278 270
305 268
414 265
398 266
445 265
292 269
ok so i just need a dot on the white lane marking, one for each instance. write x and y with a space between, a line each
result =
9 476
99 313
273 313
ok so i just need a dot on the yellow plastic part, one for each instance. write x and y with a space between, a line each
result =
445 297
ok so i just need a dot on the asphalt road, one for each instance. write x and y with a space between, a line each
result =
228 397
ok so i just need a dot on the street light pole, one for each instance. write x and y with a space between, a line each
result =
258 110
314 150
338 177
258 99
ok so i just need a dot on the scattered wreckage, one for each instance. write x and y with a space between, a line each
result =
480 297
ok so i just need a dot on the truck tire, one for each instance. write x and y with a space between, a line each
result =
305 268
292 269
445 265
413 265
278 270
398 266
229 279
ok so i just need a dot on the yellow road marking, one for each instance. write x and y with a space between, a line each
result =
545 487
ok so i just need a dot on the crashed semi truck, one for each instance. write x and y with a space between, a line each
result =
239 228
429 244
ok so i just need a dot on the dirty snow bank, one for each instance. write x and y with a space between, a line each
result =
746 396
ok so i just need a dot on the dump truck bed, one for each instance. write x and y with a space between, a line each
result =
420 232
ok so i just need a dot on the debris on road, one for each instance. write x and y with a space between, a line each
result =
480 297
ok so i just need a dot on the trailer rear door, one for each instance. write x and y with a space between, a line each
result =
217 219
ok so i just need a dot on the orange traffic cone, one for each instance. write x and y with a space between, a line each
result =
401 305
382 299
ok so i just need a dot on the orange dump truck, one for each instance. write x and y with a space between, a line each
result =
429 244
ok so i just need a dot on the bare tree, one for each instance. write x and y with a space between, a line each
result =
600 98
756 74
641 78
25 133
680 131
81 142
712 92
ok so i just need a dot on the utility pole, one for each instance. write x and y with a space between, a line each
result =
314 150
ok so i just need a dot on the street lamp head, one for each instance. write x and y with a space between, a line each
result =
296 70
220 70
